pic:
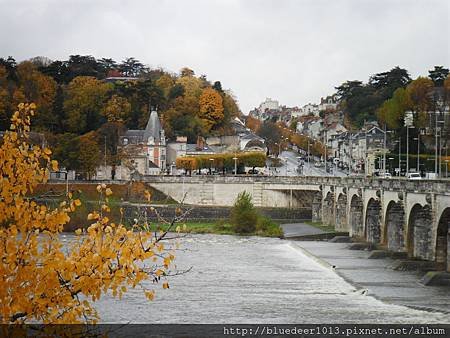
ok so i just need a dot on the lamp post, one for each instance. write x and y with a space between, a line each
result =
390 163
210 167
235 165
385 147
408 124
418 151
399 141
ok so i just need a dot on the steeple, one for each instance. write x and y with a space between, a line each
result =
153 128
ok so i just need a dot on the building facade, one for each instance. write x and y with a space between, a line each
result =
144 151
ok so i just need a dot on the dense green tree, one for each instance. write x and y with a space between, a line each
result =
244 216
438 75
58 70
105 65
176 91
66 150
131 67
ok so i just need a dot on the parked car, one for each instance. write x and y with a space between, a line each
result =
413 176
386 175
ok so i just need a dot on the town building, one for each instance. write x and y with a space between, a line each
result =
144 151
328 103
269 104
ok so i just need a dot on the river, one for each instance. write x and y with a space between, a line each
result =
254 280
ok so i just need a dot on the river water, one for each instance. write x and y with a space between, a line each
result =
254 280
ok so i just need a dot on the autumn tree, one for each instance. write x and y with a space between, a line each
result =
5 100
41 89
47 281
211 108
84 100
392 111
253 123
192 86
117 109
419 92
89 156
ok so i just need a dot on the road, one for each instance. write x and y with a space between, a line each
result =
290 162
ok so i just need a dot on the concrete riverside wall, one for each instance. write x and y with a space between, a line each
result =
204 213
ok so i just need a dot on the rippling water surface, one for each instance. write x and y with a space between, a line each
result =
254 280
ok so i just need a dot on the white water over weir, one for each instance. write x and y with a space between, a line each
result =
255 280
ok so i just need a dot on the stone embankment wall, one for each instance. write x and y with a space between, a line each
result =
208 213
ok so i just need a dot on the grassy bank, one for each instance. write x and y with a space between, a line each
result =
222 227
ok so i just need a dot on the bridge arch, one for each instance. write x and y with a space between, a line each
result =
356 216
341 212
393 230
328 209
373 221
443 241
418 240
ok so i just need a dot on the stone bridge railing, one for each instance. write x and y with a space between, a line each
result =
395 184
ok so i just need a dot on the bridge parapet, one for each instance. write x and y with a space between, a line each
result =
436 186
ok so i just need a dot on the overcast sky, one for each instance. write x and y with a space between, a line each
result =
294 51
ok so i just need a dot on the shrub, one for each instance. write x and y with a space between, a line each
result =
243 214
265 226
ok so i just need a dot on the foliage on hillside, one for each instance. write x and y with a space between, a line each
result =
384 96
74 97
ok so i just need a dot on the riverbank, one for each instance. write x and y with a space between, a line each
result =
222 227
376 276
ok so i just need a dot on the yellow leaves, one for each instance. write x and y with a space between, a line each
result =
103 258
54 165
147 195
211 107
150 295
93 216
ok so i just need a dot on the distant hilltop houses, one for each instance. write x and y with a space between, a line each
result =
311 119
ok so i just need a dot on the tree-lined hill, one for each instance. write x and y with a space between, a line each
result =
83 101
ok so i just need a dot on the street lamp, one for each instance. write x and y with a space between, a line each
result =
309 156
210 167
408 120
235 165
385 150
439 132
418 151
399 141
390 163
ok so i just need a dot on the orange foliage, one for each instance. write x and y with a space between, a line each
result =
42 280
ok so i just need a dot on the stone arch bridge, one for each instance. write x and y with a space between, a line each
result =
405 216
